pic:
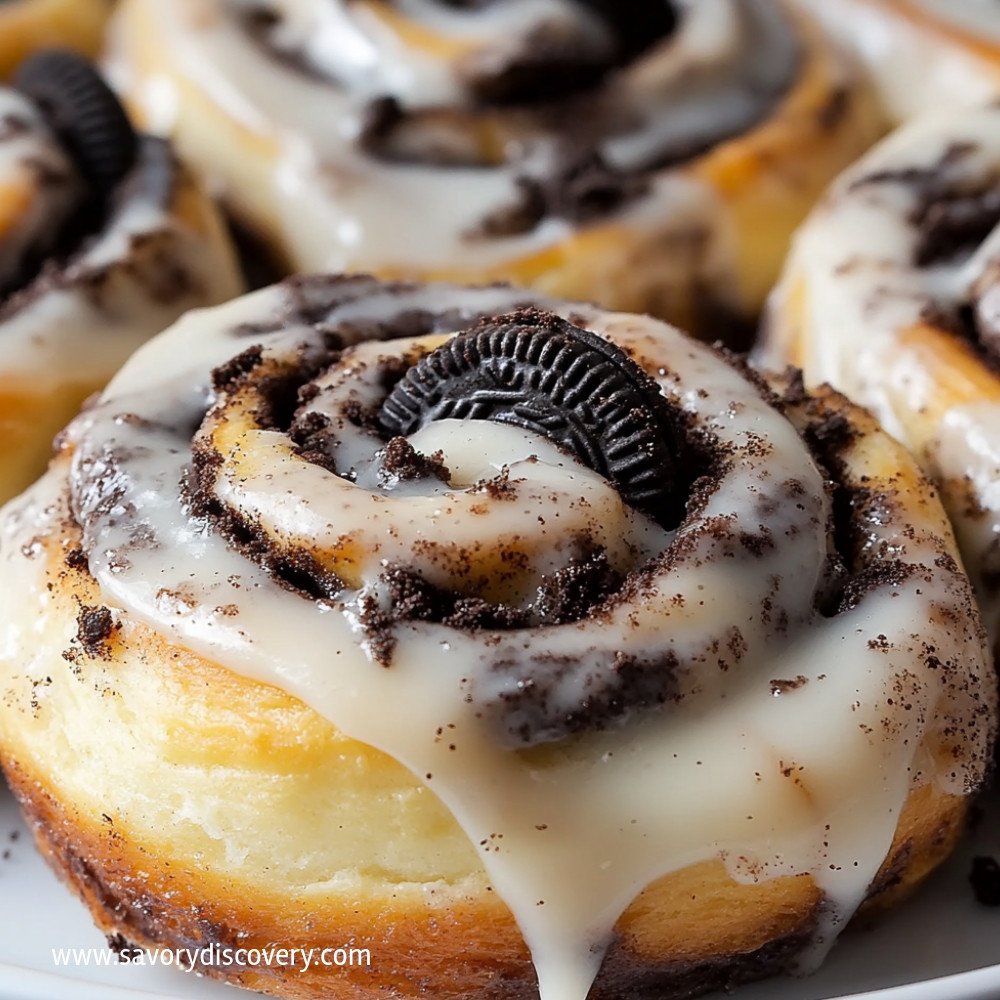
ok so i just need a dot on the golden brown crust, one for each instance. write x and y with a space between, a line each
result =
471 950
30 417
148 288
952 376
189 804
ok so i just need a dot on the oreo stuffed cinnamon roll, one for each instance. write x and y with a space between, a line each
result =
891 294
530 646
923 54
27 26
104 240
651 156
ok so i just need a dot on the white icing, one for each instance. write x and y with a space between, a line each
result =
917 67
855 259
104 302
342 209
354 45
809 780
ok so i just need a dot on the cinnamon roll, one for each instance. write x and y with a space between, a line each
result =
530 646
651 156
26 26
923 54
104 240
891 294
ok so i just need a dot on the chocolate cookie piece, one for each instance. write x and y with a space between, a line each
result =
534 370
84 113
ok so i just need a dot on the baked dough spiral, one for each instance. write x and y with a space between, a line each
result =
104 241
891 294
653 157
924 55
460 697
27 26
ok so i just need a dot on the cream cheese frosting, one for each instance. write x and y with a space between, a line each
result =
767 733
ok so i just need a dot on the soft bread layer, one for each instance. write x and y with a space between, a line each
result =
760 185
29 25
187 805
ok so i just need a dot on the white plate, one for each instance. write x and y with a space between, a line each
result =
941 945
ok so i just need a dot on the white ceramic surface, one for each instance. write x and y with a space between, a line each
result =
942 945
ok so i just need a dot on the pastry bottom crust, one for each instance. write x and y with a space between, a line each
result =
470 950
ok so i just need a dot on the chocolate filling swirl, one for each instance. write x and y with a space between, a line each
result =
481 532
618 86
954 218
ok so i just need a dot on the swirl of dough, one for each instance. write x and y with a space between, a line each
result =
483 141
893 295
788 678
88 271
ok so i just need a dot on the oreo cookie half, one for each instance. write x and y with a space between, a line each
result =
83 112
534 370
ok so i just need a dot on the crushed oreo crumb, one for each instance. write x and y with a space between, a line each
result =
404 462
95 627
